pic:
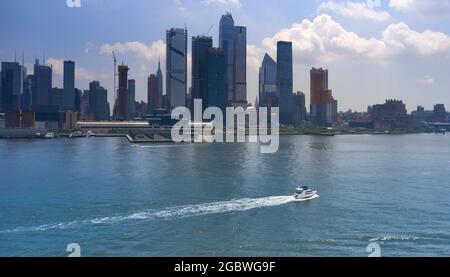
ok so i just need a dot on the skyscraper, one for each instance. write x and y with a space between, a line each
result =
240 67
123 91
298 108
131 95
69 85
200 47
284 80
159 77
98 102
12 86
233 39
153 97
43 84
26 100
267 81
176 59
217 84
323 106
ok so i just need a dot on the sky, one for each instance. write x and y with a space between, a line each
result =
374 49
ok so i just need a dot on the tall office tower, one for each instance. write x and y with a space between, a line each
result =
267 81
43 84
69 86
176 59
57 98
284 80
12 86
323 106
77 103
200 46
153 97
240 67
122 112
298 105
233 39
216 81
98 106
159 76
26 100
131 99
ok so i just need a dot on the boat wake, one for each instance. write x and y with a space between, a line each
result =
169 213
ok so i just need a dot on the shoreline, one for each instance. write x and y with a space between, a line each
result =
282 132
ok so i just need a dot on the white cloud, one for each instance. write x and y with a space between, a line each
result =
357 10
221 2
425 80
149 52
254 57
80 72
325 39
180 6
400 4
427 8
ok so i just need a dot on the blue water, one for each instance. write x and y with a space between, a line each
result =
117 199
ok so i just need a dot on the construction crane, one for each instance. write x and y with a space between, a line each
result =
209 30
115 75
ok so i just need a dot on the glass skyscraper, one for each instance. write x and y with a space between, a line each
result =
176 59
12 86
123 91
267 81
217 84
69 85
98 102
43 84
131 95
285 80
233 40
200 47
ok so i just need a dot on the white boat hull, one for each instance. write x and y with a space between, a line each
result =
303 199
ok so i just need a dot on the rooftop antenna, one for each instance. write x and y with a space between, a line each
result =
15 56
23 58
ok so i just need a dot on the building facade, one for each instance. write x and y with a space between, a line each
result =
284 80
69 85
12 86
176 67
131 95
298 112
267 81
233 40
122 112
323 105
200 47
43 84
153 97
98 106
217 83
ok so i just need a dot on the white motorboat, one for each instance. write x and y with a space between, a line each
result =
305 193
49 136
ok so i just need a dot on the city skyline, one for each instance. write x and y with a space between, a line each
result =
413 74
